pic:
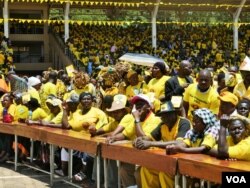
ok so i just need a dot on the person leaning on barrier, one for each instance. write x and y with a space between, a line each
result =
202 137
144 123
122 117
237 144
85 118
118 111
172 129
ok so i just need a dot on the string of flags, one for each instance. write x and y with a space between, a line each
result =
133 4
116 23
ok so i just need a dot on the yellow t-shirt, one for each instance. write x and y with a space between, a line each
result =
60 88
94 115
111 91
58 118
239 151
38 114
158 86
240 90
11 110
22 112
47 89
34 94
127 120
181 80
149 124
131 91
209 141
111 126
197 99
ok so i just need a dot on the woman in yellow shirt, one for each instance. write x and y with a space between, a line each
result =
7 115
202 137
237 144
157 83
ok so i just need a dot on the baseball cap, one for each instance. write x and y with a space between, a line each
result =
141 97
73 98
227 96
54 101
119 102
166 107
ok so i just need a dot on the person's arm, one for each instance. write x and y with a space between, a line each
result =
213 152
222 142
94 132
51 124
117 137
186 107
138 128
31 122
145 144
118 130
65 122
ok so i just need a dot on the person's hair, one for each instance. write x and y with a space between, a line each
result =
34 103
243 101
220 76
53 75
83 94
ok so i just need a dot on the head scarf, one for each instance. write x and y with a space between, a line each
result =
211 122
80 80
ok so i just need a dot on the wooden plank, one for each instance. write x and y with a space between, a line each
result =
152 158
207 167
57 136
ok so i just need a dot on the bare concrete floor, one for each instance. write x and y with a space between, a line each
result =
26 178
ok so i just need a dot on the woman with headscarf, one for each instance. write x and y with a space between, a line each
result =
157 83
202 137
81 83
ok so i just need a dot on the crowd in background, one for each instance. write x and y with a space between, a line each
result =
196 102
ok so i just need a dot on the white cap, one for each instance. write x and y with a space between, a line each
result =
32 81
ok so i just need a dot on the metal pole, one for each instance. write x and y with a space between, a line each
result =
6 17
154 32
16 151
105 173
70 164
52 151
235 25
66 23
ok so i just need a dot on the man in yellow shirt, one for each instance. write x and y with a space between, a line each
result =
172 129
48 88
201 95
145 122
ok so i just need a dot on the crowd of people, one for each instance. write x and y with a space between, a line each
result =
174 106
6 53
204 45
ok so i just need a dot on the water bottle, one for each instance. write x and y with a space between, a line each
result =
30 115
5 112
